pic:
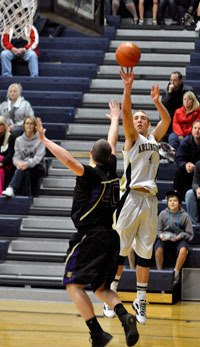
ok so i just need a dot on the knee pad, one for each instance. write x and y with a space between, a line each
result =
142 261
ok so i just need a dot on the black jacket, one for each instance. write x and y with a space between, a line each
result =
187 151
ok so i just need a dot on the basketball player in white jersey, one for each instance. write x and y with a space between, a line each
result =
136 217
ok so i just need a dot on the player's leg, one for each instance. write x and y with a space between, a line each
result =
86 310
127 320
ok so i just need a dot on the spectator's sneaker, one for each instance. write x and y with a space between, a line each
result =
141 21
197 26
130 329
8 192
140 308
108 312
100 339
176 278
154 21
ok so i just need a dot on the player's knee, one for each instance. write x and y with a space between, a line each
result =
142 261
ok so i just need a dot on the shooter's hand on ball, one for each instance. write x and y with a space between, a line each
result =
127 77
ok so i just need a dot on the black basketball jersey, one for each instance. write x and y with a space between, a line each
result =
96 195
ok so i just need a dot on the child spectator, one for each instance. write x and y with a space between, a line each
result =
6 153
15 109
183 119
29 161
174 233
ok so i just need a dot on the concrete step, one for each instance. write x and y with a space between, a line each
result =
155 58
161 46
44 250
31 273
98 115
161 35
96 98
141 72
60 227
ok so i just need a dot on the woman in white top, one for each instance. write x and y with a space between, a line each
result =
15 109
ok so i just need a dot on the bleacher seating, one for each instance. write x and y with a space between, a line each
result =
72 100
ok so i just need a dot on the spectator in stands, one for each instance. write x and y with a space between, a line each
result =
6 153
174 233
183 119
130 7
29 162
172 98
25 48
192 196
15 109
187 154
93 252
154 11
186 6
172 10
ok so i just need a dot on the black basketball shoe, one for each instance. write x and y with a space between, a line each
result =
100 339
130 328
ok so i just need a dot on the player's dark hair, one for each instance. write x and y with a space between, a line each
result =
101 151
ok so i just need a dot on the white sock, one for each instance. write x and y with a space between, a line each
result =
115 283
141 291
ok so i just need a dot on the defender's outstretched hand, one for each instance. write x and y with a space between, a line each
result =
155 93
40 129
114 110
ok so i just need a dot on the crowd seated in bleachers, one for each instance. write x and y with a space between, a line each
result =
174 233
29 162
183 119
15 108
7 141
172 97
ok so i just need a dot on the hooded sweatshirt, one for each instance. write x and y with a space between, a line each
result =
30 150
177 223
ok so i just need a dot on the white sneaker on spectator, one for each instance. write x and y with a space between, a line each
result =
140 308
108 312
197 26
8 192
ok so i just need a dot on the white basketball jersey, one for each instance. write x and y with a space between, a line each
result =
141 165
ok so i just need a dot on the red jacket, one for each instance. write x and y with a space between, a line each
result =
182 123
32 39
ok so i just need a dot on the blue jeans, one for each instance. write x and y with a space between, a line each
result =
29 56
191 205
173 140
26 182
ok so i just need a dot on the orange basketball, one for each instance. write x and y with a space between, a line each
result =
127 54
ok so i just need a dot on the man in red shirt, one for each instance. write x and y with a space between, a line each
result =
25 47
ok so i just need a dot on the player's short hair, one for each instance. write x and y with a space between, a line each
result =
101 151
172 194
